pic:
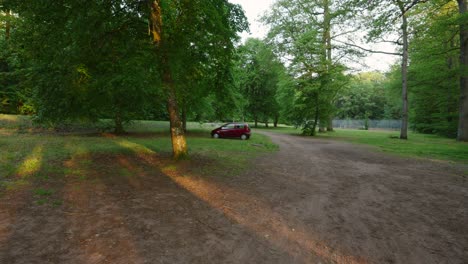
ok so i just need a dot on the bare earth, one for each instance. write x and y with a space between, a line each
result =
314 201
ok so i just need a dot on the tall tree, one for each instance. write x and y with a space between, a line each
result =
181 29
258 79
382 18
303 32
462 134
434 89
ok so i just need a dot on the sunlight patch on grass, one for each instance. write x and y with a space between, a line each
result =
9 118
32 163
137 148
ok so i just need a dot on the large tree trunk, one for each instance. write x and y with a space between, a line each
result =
462 133
256 122
316 117
404 76
179 144
330 123
275 122
118 123
266 124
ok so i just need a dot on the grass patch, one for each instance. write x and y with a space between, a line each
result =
28 157
43 192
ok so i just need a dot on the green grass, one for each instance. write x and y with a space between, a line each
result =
28 156
418 145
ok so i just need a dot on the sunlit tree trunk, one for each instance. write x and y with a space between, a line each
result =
462 133
179 144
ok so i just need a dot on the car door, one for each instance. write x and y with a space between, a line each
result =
238 130
231 131
227 130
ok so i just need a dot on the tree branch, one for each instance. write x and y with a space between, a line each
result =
368 50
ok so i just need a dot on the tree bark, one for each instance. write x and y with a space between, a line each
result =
462 132
327 21
266 124
275 122
184 119
404 74
316 117
330 123
118 124
256 122
179 144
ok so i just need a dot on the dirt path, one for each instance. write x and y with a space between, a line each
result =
364 205
314 201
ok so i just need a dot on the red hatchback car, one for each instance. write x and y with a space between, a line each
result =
232 130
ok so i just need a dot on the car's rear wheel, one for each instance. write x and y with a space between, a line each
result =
215 135
244 137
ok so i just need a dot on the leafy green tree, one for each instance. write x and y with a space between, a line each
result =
202 31
434 69
258 78
85 61
95 59
15 95
363 98
392 17
302 33
462 133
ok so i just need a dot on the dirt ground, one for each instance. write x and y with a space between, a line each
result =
314 201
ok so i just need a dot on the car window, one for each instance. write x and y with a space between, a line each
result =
237 126
230 126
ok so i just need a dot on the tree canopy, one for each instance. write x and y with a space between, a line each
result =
182 60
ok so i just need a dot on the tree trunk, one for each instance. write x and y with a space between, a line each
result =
179 144
449 107
275 122
118 124
256 122
266 124
327 57
462 133
404 76
184 119
8 24
330 123
316 117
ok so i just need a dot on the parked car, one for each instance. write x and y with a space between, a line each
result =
232 130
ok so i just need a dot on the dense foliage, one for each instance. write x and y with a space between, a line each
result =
180 60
